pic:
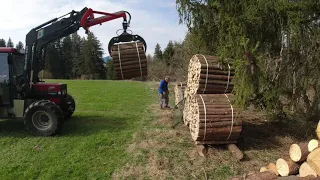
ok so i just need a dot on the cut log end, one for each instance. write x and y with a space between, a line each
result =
305 170
299 152
202 150
313 144
286 167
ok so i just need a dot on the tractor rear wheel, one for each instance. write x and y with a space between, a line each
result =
42 118
70 106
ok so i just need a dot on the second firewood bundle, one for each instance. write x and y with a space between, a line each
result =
129 60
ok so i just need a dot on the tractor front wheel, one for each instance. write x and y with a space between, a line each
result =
42 118
70 106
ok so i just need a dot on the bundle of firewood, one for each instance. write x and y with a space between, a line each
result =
206 75
179 92
129 60
214 120
208 109
303 162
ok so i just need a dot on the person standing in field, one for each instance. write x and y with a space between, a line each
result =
164 93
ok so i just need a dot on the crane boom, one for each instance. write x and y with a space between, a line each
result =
39 37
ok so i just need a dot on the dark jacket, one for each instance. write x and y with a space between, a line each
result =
163 87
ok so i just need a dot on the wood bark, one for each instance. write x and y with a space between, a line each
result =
299 152
202 150
236 152
129 60
313 144
287 167
266 175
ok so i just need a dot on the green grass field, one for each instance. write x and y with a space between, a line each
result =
119 132
92 143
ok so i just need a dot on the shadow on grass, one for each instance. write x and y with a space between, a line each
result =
273 135
75 126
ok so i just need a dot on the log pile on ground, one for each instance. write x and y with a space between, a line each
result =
303 162
179 92
129 60
213 119
208 109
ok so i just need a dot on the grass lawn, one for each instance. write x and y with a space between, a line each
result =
92 143
119 132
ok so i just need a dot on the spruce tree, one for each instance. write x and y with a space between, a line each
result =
20 46
10 43
158 52
2 43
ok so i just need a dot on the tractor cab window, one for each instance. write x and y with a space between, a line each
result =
4 79
17 65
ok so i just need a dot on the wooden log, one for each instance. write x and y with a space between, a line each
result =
313 144
305 170
201 72
299 152
266 175
125 57
318 130
220 124
236 152
272 167
263 169
133 62
287 167
202 150
216 142
124 46
135 66
313 160
128 51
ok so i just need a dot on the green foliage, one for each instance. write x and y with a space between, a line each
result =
20 46
272 43
10 43
168 53
2 43
158 52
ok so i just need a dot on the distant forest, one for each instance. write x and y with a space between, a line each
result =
73 57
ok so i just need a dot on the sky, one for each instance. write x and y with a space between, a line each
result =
154 20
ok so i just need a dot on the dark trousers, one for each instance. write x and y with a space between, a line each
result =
164 100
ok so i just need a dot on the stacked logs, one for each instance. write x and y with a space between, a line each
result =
206 75
129 60
179 92
213 119
303 162
208 108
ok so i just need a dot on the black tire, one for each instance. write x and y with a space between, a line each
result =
70 107
49 112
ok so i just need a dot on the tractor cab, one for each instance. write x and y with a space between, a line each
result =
11 67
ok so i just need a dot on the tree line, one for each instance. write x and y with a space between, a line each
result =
274 46
73 57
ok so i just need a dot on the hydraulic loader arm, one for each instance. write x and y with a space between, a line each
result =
39 37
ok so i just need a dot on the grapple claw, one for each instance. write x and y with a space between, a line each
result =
125 38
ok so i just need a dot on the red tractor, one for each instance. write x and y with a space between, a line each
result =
45 106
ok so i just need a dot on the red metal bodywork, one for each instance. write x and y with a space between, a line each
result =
49 88
7 50
89 20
